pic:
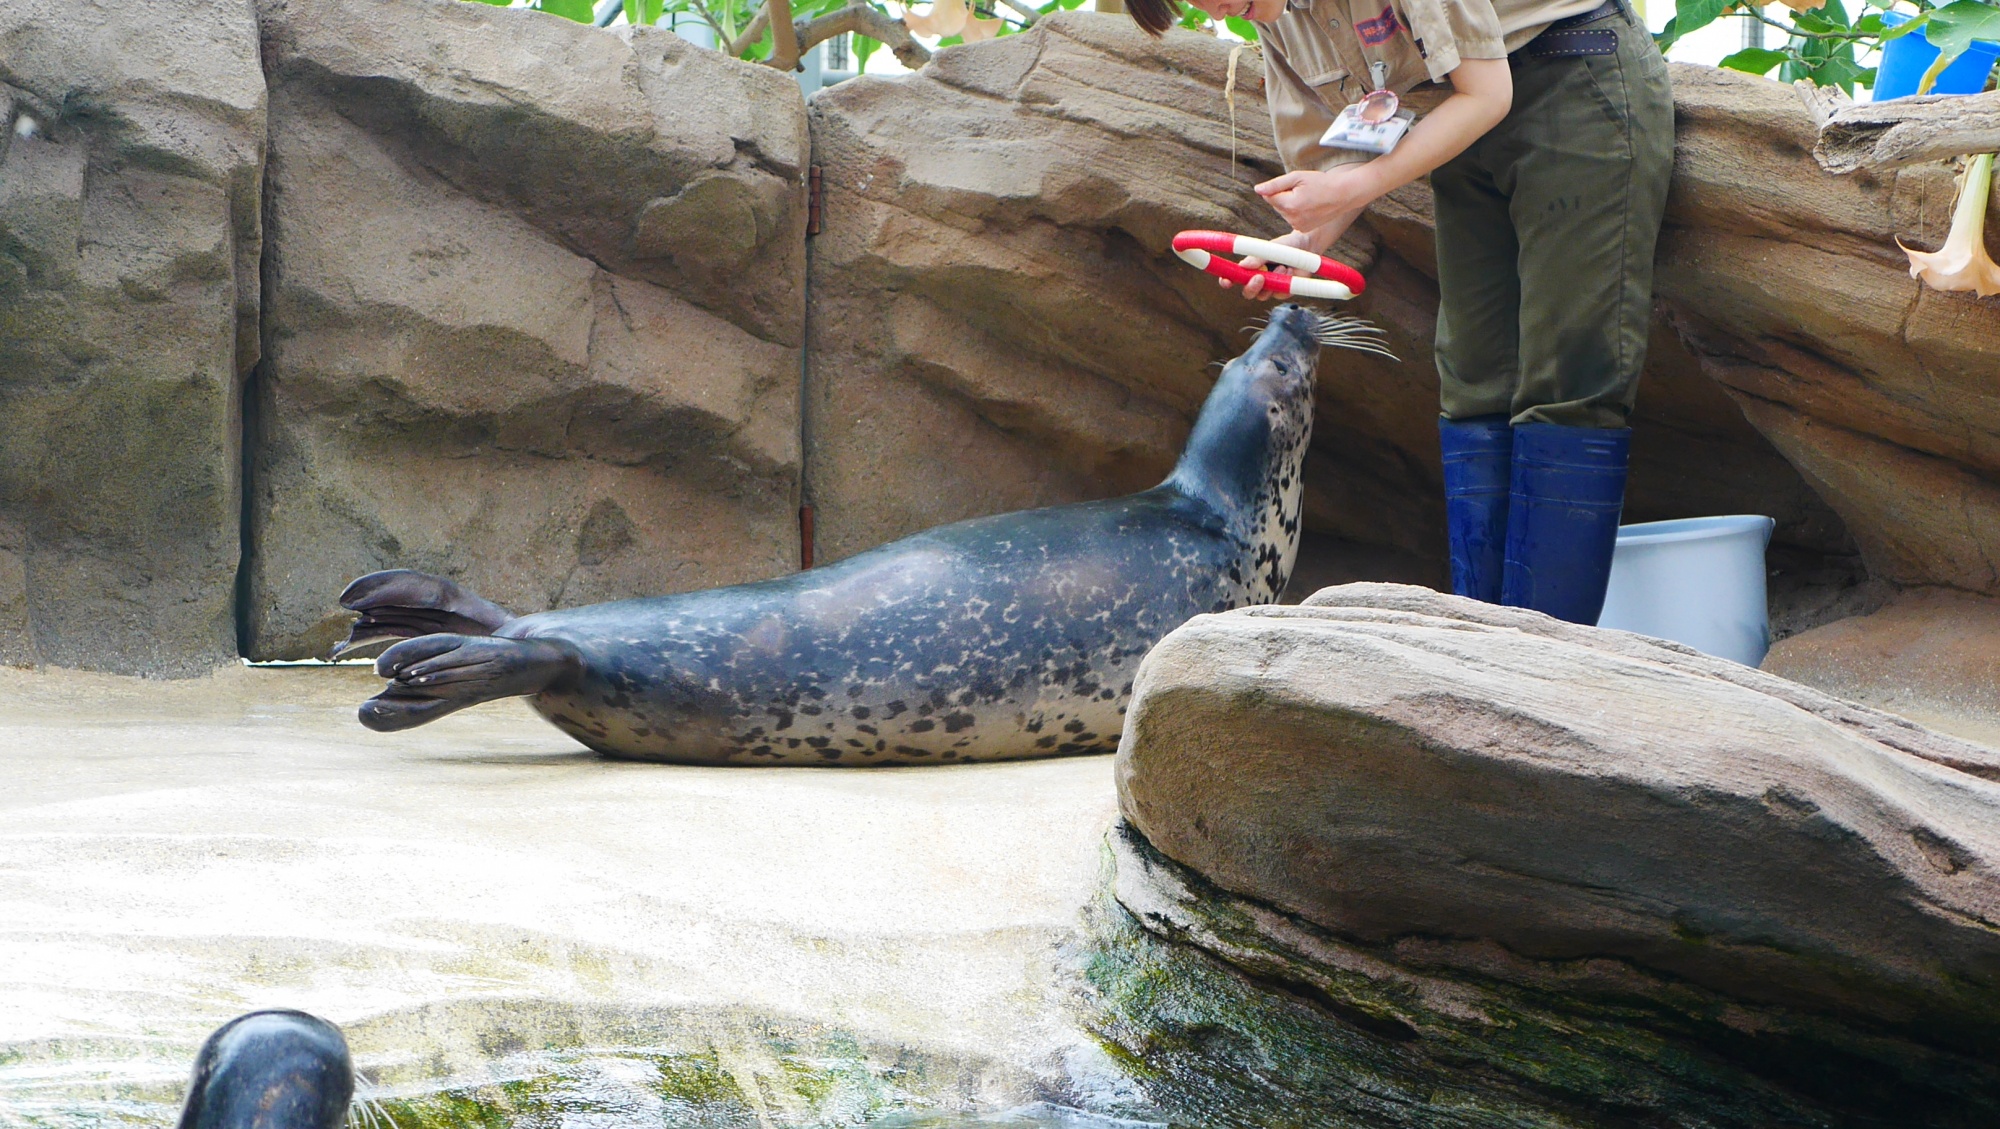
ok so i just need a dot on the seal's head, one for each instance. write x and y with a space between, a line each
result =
1278 369
1285 356
1245 458
271 1070
1260 410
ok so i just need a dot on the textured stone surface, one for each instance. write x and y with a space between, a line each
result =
131 145
996 322
993 325
535 312
1932 654
1488 795
1787 283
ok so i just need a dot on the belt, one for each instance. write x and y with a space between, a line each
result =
1567 37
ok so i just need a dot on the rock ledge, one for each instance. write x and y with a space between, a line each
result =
1615 874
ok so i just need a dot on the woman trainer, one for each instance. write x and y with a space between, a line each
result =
1549 142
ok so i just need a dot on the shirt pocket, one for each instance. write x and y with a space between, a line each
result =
1318 65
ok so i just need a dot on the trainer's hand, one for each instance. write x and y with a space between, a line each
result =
1255 287
1309 200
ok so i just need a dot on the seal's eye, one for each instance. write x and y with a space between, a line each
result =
1280 366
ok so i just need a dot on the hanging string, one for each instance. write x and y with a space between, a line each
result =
1229 96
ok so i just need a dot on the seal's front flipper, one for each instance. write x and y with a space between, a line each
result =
434 675
402 604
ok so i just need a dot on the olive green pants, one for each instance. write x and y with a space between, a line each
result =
1545 236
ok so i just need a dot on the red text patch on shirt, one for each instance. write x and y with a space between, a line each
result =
1377 31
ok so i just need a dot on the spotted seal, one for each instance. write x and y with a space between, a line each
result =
274 1069
997 638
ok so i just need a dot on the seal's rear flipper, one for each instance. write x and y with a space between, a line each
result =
402 604
434 675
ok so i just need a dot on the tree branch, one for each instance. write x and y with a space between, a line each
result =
863 20
722 34
1790 29
1907 131
1025 11
785 49
752 33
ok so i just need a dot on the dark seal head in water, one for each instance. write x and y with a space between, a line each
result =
271 1070
1001 637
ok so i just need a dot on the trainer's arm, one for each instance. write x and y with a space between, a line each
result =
1315 203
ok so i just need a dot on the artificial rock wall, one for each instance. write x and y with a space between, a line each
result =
510 336
131 159
533 302
996 322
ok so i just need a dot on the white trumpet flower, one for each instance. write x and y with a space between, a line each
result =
1962 263
947 18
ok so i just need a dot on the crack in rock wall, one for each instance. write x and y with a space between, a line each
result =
131 153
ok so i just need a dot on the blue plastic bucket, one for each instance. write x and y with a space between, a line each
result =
1697 581
1905 60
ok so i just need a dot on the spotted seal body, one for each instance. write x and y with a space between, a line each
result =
1001 637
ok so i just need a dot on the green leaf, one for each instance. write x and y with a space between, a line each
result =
1844 73
1242 27
578 10
1194 19
1906 27
1826 62
1954 26
1668 35
495 3
1690 15
862 48
644 12
950 41
1754 60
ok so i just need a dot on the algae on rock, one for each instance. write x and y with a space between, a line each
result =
1495 869
1230 1013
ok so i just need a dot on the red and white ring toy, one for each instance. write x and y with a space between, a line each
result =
1203 250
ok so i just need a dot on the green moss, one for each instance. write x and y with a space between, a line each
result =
1348 1036
783 1081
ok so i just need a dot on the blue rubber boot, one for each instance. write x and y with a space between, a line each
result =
1478 457
1562 523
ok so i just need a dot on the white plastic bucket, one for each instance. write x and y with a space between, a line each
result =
1697 581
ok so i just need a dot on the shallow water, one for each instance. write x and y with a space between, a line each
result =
1041 1115
785 1082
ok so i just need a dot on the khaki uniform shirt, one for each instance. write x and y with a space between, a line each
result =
1317 56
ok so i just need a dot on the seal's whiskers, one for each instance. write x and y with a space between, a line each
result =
1351 333
366 1112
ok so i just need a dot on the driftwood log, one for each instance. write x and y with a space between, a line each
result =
1901 131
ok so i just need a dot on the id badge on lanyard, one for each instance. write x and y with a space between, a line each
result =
1376 123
